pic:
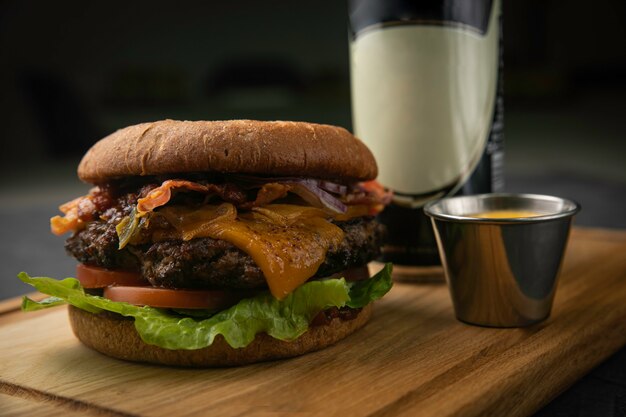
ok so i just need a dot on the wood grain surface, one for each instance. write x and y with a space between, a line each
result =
412 359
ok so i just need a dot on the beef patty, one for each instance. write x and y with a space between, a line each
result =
211 263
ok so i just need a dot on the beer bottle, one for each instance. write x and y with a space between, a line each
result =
426 80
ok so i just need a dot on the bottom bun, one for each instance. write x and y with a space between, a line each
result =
115 336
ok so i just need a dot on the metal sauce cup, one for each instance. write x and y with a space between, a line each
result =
502 272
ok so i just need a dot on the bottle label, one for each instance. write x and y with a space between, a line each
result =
423 96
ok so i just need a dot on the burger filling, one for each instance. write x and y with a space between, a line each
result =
193 257
207 234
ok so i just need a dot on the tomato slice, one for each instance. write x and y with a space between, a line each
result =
96 277
168 298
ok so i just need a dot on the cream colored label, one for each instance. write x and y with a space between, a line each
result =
423 101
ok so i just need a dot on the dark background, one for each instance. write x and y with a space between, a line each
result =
72 72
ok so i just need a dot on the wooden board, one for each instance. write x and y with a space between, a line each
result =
413 358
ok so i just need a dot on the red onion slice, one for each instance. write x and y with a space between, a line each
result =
333 187
315 192
312 194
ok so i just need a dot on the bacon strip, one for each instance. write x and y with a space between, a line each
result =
374 187
76 213
371 194
161 195
228 192
268 193
69 222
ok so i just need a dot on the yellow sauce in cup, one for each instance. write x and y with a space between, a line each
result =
505 214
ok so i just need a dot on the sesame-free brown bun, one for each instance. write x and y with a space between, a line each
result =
116 337
236 146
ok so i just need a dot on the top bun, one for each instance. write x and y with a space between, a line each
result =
236 146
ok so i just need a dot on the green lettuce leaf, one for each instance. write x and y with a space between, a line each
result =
30 305
285 319
364 292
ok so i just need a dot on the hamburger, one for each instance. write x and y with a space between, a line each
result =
220 243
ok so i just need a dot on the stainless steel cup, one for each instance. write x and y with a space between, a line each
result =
502 272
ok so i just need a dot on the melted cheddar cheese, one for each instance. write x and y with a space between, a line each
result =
288 242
